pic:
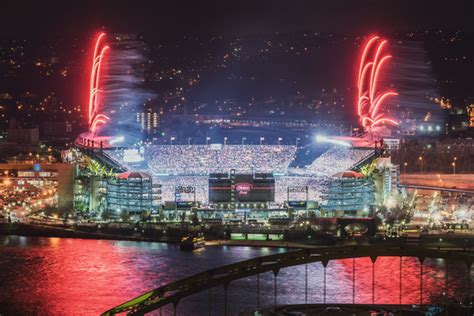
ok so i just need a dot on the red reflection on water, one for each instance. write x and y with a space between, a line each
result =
82 277
55 276
87 276
389 288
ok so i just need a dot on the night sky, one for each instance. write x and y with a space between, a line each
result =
194 36
45 19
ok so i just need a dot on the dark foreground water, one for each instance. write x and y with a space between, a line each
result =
58 276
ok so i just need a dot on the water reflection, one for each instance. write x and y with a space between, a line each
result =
56 276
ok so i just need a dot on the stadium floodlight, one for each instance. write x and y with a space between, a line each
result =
324 139
296 142
116 140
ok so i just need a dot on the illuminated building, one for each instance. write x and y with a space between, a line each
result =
390 177
460 119
349 194
149 119
470 110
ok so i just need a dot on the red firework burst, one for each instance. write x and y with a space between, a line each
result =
370 100
95 93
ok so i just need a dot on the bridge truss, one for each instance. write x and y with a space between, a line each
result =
173 292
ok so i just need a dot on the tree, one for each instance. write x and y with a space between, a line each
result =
125 215
368 169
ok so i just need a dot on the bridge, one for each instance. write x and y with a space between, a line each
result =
461 183
435 188
173 292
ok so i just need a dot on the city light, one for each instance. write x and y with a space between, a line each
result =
117 140
325 139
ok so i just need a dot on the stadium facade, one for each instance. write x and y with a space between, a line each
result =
180 178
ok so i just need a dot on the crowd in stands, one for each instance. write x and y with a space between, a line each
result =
205 159
338 159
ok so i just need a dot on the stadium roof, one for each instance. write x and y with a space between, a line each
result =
348 174
133 175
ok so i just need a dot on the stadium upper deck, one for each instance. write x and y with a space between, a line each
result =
215 158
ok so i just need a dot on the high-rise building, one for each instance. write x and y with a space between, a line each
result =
149 119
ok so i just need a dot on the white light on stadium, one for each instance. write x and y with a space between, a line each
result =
116 140
324 139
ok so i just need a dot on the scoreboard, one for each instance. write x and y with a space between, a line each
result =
258 187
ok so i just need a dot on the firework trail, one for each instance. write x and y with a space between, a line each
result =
370 100
96 118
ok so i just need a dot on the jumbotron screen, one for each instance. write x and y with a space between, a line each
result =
247 187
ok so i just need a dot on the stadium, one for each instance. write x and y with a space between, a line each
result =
151 178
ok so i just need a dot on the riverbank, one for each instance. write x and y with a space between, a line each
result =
51 231
259 243
364 309
173 235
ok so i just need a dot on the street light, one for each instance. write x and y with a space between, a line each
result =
421 163
297 139
189 140
261 140
243 140
405 164
225 141
207 140
454 167
279 140
172 139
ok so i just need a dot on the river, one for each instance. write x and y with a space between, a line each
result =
61 276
